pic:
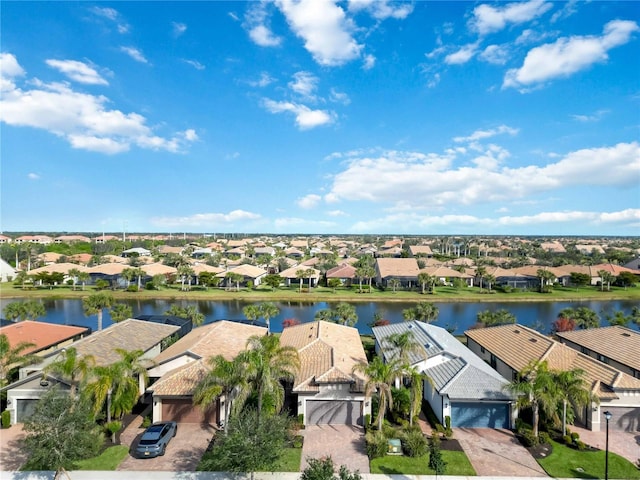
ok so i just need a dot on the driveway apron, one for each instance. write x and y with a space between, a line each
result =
343 443
496 452
12 455
183 453
625 444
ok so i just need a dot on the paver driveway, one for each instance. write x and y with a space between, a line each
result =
183 452
625 444
344 443
12 455
495 452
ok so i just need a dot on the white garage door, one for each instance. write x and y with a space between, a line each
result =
334 412
626 419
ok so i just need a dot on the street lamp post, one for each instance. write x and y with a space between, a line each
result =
607 416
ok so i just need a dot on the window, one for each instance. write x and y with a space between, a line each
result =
482 350
493 361
636 373
603 359
584 350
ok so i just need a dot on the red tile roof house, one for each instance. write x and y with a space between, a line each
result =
345 273
327 390
403 269
181 366
46 337
130 334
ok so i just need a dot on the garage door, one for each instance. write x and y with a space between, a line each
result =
480 415
334 412
626 419
182 410
25 408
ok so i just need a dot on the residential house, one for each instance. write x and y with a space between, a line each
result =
130 334
459 384
105 238
445 275
71 239
290 276
249 273
45 337
344 272
136 252
326 388
403 269
421 251
5 239
39 239
184 364
511 348
7 272
616 346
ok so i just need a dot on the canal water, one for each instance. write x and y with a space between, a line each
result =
453 315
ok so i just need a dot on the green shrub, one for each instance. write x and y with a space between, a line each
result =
132 288
529 439
301 420
376 444
146 421
414 443
5 419
581 445
448 432
297 441
544 437
575 436
567 440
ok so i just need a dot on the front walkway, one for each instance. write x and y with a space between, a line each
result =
12 455
343 443
497 452
625 444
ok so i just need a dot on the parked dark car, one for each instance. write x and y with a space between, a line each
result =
155 438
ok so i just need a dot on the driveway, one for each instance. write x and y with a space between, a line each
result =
625 444
496 452
12 455
183 452
343 443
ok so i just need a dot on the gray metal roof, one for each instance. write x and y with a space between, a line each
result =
465 376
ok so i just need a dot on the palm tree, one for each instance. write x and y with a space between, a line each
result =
226 378
380 377
95 303
416 379
268 363
606 277
481 271
300 275
360 273
424 279
572 389
309 273
128 274
345 314
405 343
73 368
324 315
490 280
27 310
537 389
266 310
394 283
74 273
12 356
545 277
83 277
423 311
186 273
120 312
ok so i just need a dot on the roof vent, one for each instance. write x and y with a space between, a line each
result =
517 331
533 340
625 334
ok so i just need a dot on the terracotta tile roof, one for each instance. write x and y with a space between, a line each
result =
180 381
420 250
58 268
203 267
158 269
445 272
246 271
617 343
293 272
397 267
43 335
109 268
342 271
517 346
130 335
218 338
328 353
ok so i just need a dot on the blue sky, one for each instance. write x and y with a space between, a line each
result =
316 116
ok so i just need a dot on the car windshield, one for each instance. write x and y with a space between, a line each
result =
148 441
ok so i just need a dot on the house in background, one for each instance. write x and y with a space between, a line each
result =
461 386
183 365
405 270
326 389
7 272
511 348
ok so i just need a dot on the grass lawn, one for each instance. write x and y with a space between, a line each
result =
290 461
107 460
565 462
457 464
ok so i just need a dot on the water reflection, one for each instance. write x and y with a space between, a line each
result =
458 316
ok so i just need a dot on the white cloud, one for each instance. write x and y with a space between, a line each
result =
9 70
487 19
410 221
382 9
256 24
568 55
305 117
309 201
325 29
190 135
463 55
369 62
194 63
482 134
78 71
422 181
113 15
339 97
178 28
568 9
33 176
495 54
304 84
594 117
81 119
206 219
337 213
134 53
264 80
